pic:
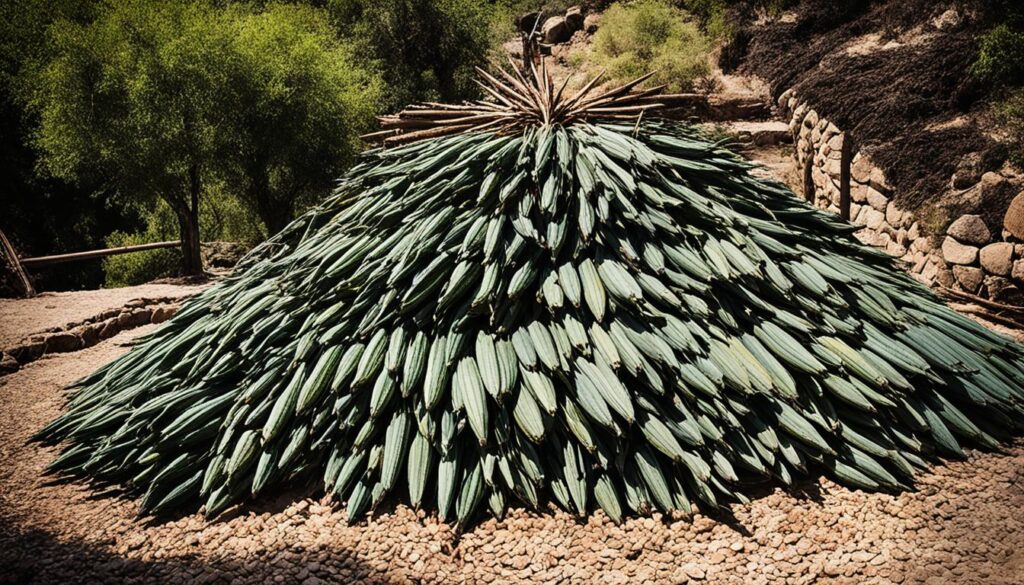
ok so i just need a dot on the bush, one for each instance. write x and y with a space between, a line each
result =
1001 56
221 217
651 35
1010 113
426 49
138 267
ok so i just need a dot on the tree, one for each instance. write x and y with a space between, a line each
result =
299 102
161 99
427 49
27 200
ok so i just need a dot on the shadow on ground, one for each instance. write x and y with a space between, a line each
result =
33 556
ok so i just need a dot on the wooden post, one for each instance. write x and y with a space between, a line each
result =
808 174
531 46
19 272
845 161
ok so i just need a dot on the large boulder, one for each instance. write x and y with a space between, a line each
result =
997 258
969 277
956 253
555 30
591 22
1013 221
574 18
970 229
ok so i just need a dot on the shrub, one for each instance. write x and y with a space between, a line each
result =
221 217
651 35
426 49
1000 56
1010 113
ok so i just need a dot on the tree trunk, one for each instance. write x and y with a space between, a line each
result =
276 220
188 224
274 210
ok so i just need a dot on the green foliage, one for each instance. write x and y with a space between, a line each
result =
651 35
138 267
300 99
159 100
223 217
712 16
1001 56
1010 114
426 49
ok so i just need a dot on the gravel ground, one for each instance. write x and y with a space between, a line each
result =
22 318
962 525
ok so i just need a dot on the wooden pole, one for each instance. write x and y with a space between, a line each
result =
809 195
845 161
16 266
54 259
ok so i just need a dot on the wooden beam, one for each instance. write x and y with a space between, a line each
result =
845 161
16 266
56 258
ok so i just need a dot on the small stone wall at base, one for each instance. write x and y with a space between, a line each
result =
968 257
76 336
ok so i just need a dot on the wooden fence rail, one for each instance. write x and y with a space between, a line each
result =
54 259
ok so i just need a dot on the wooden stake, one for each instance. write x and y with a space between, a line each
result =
19 272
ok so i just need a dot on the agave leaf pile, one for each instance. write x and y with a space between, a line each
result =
598 314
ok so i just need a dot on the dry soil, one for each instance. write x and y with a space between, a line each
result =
962 525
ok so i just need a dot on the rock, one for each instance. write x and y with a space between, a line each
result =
62 342
527 22
956 253
968 171
1003 290
969 277
879 182
591 23
873 219
767 133
574 18
914 231
1013 221
949 19
222 254
876 199
970 229
859 193
1018 270
997 258
161 314
896 217
8 363
555 30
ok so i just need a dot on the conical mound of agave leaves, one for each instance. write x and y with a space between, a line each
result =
600 315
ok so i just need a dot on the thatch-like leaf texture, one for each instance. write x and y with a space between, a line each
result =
597 315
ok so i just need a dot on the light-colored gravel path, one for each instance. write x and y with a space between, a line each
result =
22 318
963 525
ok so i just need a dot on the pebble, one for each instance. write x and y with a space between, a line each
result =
961 525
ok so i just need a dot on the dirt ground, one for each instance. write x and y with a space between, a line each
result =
962 525
22 318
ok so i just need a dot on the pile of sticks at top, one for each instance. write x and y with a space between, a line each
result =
518 100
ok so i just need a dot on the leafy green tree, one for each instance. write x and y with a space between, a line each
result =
427 49
299 101
159 99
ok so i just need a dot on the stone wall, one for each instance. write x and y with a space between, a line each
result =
966 256
76 336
